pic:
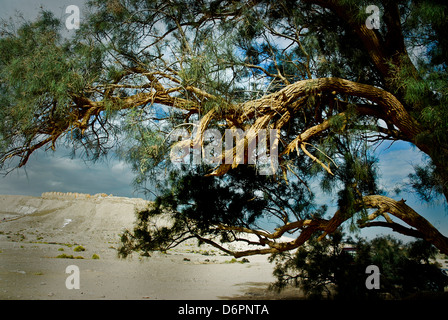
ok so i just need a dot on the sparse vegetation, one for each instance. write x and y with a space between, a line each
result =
66 256
244 260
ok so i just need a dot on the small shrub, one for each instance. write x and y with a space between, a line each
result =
244 260
95 256
79 249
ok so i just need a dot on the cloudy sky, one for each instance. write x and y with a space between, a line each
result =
58 172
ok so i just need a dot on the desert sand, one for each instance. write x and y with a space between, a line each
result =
36 231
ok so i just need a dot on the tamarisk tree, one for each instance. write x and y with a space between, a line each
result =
330 77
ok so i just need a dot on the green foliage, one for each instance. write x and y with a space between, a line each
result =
41 74
193 205
33 61
426 182
324 270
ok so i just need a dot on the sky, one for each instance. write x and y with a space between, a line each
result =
56 171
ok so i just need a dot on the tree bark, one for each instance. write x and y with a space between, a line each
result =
405 213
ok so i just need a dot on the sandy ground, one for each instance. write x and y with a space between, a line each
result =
34 231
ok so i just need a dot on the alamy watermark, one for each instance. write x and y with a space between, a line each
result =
373 280
235 147
373 21
73 280
73 20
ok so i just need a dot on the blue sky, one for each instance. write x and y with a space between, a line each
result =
56 171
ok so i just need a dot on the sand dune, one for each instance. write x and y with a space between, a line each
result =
34 231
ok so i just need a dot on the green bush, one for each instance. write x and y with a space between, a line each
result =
323 269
